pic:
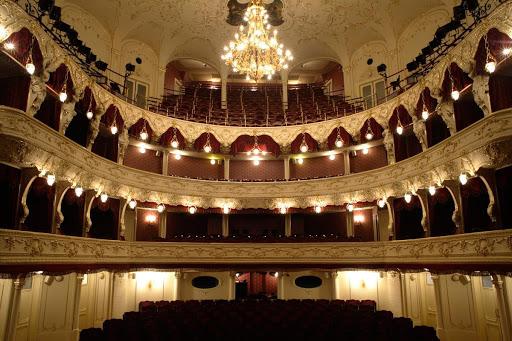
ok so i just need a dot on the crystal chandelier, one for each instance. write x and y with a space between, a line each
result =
255 52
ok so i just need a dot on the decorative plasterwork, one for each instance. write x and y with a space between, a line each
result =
28 142
14 18
18 247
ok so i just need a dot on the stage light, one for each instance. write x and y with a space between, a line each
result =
79 191
463 178
381 203
408 197
192 210
160 208
177 156
432 190
103 197
412 66
50 179
101 65
132 204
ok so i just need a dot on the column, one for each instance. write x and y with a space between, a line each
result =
226 168
346 161
76 306
165 163
503 308
425 221
488 177
334 278
350 224
57 216
162 228
458 218
124 141
439 306
391 221
389 144
177 285
288 224
375 219
224 92
123 203
280 286
286 161
284 82
232 285
403 294
14 306
225 225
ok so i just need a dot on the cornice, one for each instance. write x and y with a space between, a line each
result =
14 18
26 142
30 248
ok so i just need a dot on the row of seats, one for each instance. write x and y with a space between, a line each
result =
217 238
259 319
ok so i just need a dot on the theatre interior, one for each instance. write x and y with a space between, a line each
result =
255 170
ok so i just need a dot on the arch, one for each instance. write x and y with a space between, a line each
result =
196 48
200 142
348 140
475 203
435 126
245 143
72 209
39 201
78 128
310 141
441 208
407 143
106 144
408 218
104 219
166 138
138 127
22 41
372 126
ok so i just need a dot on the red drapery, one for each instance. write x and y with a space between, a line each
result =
166 138
22 41
460 79
108 118
201 141
245 143
376 129
497 42
475 201
137 128
57 78
345 136
310 141
408 218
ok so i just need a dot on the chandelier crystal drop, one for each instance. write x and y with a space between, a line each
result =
256 52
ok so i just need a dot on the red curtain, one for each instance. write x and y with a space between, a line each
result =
108 118
460 79
78 129
310 141
497 42
475 201
466 111
201 140
376 129
166 138
57 78
407 144
49 112
14 91
408 218
137 127
430 103
437 130
331 139
245 143
22 41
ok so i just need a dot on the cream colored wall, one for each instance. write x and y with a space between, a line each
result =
288 290
222 291
5 294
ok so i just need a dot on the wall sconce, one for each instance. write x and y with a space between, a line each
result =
358 219
150 218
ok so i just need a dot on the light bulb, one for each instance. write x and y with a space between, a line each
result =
381 203
408 197
103 197
369 136
212 162
175 144
207 148
255 151
79 191
63 96
113 129
339 143
150 218
282 210
425 114
142 150
30 67
399 130
276 274
50 179
506 51
89 115
132 203
226 210
304 147
9 46
144 135
192 210
463 178
432 190
318 209
366 151
350 207
256 162
177 156
160 208
300 161
332 157
490 66
455 94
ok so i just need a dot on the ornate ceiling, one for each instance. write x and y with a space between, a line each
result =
312 28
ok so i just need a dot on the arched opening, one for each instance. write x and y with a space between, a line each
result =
107 142
436 128
371 157
172 138
440 209
408 218
104 219
475 200
500 81
406 143
207 139
142 158
504 186
465 108
50 110
10 179
73 209
78 129
40 199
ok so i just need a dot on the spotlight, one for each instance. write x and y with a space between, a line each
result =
192 210
463 178
132 204
160 208
103 197
55 13
421 59
113 129
412 66
9 46
101 65
91 57
142 150
79 191
130 67
366 151
62 26
382 68
332 157
350 207
212 162
427 50
82 49
432 190
459 13
46 5
300 161
318 209
425 113
226 210
177 156
50 179
408 197
30 67
381 203
89 114
506 51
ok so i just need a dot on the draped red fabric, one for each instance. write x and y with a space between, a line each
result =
108 118
201 141
475 201
310 141
78 129
500 91
497 42
15 91
166 138
401 112
407 144
83 104
40 204
57 78
430 103
345 136
137 128
376 129
460 78
440 211
408 218
245 143
437 130
49 112
466 111
22 41
107 144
